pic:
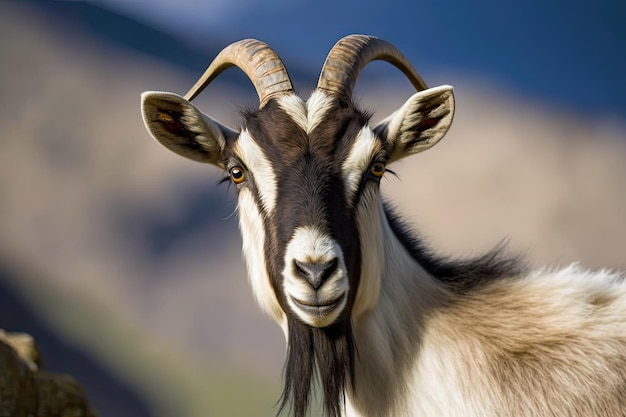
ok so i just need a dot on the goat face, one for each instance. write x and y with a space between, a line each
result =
290 188
307 176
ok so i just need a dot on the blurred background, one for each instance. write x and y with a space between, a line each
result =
123 259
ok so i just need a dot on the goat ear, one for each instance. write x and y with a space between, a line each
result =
182 128
419 124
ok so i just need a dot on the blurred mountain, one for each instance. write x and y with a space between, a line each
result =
120 31
108 394
565 52
75 18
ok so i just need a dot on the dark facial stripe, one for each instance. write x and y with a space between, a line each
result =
307 162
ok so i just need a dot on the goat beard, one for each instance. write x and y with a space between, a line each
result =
326 353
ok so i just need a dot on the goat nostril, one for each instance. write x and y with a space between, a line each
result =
300 269
315 273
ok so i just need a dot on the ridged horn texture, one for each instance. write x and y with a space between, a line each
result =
258 61
351 54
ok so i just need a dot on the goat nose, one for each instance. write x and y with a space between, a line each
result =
315 273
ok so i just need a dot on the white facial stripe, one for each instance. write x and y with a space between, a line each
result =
254 157
295 107
306 115
309 245
371 222
318 105
358 160
253 235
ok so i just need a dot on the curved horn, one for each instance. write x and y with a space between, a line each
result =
351 54
257 60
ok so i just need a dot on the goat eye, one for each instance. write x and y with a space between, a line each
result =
237 175
377 169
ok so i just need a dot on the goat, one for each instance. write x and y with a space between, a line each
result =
386 326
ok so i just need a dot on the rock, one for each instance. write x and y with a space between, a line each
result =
25 347
26 391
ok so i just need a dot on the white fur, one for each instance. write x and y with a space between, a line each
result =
306 115
372 253
295 107
208 133
318 105
401 124
253 235
363 149
206 128
560 330
424 351
260 167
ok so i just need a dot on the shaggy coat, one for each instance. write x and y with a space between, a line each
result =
386 326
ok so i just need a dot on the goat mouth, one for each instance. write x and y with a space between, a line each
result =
316 307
